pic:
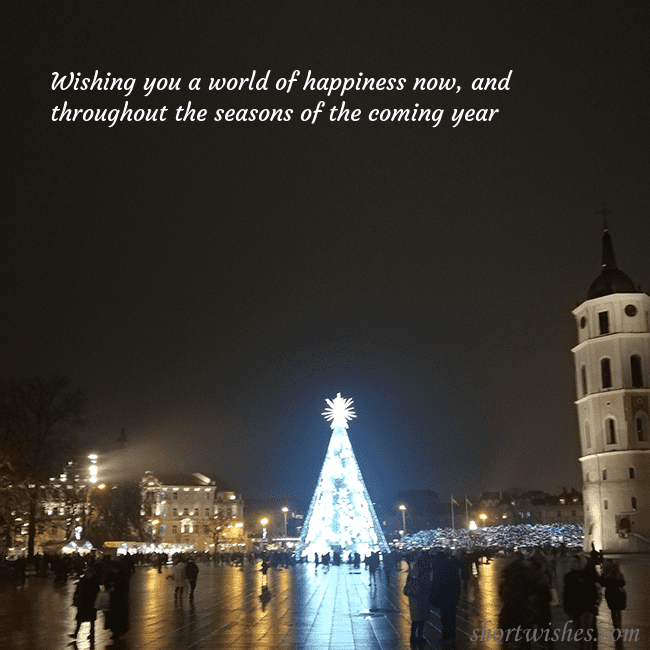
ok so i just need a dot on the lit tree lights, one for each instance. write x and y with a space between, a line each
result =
341 517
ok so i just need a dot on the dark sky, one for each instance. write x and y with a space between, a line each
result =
210 284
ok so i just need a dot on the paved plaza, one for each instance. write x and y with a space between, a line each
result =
335 608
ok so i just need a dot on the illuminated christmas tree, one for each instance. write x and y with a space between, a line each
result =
341 517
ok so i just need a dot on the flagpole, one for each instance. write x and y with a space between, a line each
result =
453 527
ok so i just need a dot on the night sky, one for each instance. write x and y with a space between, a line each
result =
210 284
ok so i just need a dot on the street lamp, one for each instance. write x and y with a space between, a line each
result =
483 517
93 467
264 522
403 509
285 510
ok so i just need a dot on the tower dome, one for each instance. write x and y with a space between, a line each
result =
611 279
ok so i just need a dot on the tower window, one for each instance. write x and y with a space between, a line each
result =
633 503
604 475
611 431
640 434
606 372
588 435
603 321
606 504
631 472
583 377
635 367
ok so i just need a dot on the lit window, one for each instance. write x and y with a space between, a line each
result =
606 373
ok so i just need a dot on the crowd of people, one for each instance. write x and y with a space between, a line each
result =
522 536
436 574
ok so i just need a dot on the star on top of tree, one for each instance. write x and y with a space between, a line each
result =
339 411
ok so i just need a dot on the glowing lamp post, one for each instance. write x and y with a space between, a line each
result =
285 510
92 471
483 517
403 509
264 522
93 467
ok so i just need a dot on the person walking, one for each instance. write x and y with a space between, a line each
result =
445 593
179 575
615 595
192 573
581 598
117 583
417 588
84 600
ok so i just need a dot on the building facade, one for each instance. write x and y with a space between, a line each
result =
531 507
612 366
191 512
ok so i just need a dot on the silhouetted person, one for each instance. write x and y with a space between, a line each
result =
418 588
117 584
581 599
445 592
615 595
84 600
192 573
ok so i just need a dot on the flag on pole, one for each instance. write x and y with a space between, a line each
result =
468 502
454 501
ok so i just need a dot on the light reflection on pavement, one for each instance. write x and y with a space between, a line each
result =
303 607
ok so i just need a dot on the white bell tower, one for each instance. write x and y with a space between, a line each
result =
612 361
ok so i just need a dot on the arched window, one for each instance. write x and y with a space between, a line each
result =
588 435
583 377
606 372
610 428
637 374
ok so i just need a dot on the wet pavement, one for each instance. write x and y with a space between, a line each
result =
306 607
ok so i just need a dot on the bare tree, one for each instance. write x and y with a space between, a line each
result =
217 528
36 421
